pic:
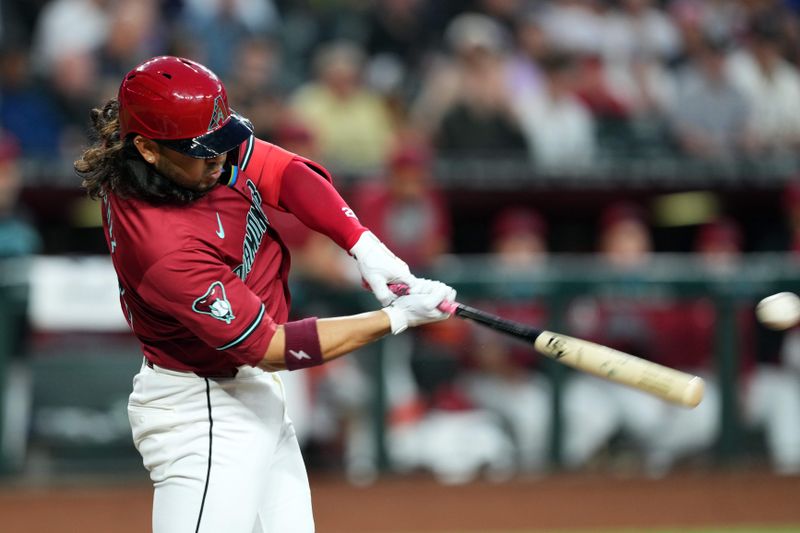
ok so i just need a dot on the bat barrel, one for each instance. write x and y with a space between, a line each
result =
667 383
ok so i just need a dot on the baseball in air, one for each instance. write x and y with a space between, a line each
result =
779 311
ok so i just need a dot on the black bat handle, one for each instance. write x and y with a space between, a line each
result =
521 331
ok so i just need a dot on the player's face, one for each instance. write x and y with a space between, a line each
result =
190 172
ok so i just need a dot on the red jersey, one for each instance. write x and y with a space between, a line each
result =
204 286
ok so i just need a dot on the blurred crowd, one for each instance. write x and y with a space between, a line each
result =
561 83
381 90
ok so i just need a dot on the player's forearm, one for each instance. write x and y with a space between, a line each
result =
337 337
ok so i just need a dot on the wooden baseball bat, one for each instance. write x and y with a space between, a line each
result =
664 382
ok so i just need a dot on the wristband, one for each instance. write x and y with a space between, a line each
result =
397 319
302 344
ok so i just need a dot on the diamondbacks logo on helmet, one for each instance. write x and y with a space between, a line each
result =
219 114
215 303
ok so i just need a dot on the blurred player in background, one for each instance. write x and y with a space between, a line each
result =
501 374
203 285
432 423
769 378
671 332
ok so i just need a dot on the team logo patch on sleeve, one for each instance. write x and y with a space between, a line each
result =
215 303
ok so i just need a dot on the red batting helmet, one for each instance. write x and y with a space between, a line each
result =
182 105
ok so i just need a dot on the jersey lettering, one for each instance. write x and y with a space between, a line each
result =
110 224
349 213
255 228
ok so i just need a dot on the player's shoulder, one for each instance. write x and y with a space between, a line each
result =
254 152
150 232
257 156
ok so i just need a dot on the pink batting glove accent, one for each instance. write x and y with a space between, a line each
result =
401 289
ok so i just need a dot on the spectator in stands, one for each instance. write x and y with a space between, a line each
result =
18 238
66 60
575 26
771 86
27 107
217 28
506 12
136 32
56 34
639 29
558 128
608 109
709 116
639 39
255 84
524 75
75 82
465 104
350 122
621 48
698 21
397 31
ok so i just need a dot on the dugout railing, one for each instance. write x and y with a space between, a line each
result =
555 284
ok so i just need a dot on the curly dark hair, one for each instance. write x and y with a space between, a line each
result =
114 164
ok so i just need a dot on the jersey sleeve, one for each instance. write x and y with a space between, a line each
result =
316 203
205 296
266 164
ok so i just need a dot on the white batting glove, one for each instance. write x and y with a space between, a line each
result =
379 267
420 305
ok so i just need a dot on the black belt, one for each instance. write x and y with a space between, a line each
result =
232 373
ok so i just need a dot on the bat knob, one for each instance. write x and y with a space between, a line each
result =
448 307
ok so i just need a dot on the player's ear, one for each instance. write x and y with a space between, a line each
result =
147 148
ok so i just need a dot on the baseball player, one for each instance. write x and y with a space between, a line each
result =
203 284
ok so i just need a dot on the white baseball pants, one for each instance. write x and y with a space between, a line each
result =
222 453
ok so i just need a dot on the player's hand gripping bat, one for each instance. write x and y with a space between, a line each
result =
666 383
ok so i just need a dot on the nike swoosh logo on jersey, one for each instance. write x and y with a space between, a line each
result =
300 355
221 230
